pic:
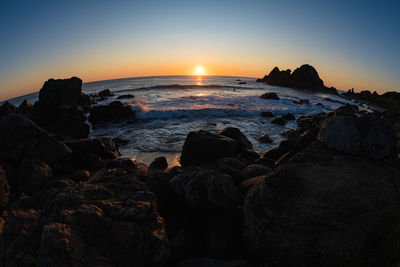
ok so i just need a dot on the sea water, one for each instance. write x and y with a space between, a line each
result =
167 108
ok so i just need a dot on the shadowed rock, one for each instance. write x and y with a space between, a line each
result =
305 77
115 111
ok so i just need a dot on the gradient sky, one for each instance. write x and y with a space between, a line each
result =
350 43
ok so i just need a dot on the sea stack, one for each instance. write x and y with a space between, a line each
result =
306 78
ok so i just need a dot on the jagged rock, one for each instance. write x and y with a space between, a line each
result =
305 77
203 146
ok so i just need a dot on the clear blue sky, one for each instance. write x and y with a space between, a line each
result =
351 43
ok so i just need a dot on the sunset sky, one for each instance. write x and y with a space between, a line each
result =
351 43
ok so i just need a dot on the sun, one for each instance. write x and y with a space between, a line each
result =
200 70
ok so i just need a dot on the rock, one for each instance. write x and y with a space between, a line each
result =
4 191
7 108
288 116
105 93
341 133
202 262
234 163
255 170
59 95
25 106
78 176
355 136
125 96
203 146
20 138
102 146
61 246
280 121
273 96
346 110
204 191
124 163
158 164
237 135
241 82
305 77
115 111
324 208
248 184
120 142
264 138
301 102
248 156
113 216
267 114
32 176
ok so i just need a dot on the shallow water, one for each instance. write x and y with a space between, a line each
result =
168 108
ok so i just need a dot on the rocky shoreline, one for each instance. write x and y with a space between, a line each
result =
328 195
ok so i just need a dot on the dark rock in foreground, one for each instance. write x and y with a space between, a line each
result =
305 77
324 209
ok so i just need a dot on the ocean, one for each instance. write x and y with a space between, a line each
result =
169 107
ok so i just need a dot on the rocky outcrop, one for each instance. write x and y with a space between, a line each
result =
389 100
61 108
273 96
305 77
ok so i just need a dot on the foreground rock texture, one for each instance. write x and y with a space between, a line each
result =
323 208
305 77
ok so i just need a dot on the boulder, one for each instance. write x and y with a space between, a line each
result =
280 121
20 138
203 146
237 135
255 170
115 111
7 108
264 138
324 208
105 93
204 191
102 146
158 164
273 96
267 114
355 136
288 116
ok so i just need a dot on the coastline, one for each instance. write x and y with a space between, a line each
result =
225 206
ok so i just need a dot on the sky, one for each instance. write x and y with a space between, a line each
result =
352 44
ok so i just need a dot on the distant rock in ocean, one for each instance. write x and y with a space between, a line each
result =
305 77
